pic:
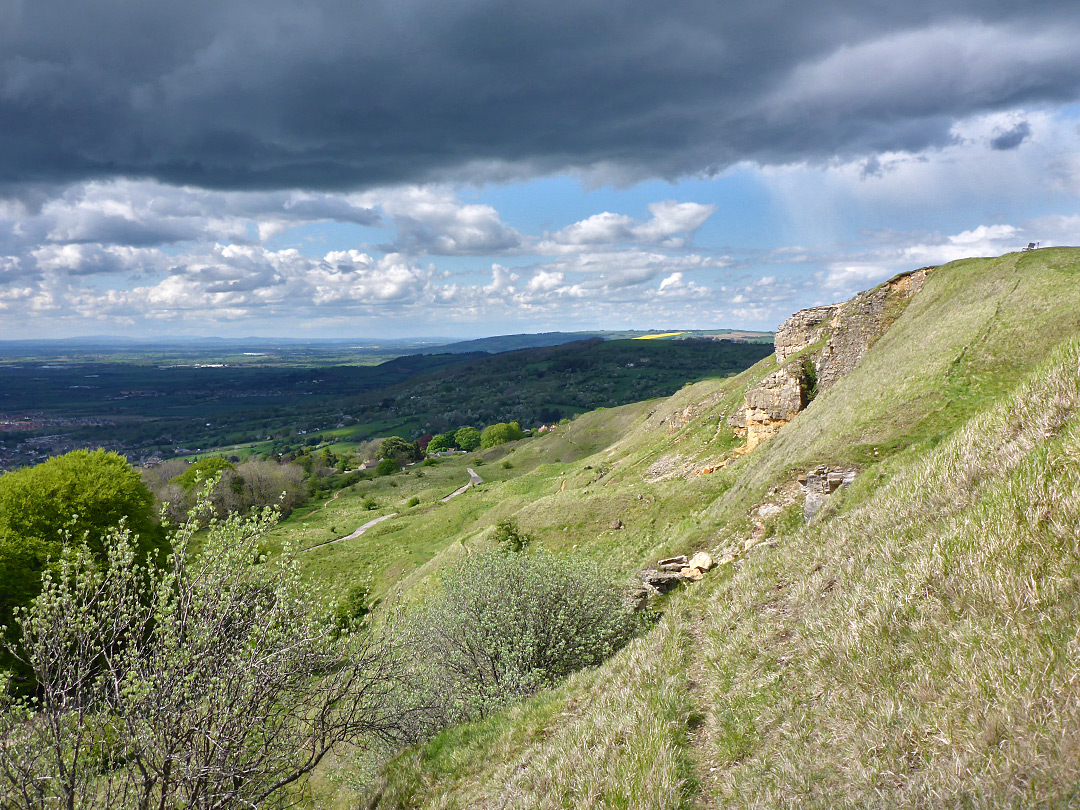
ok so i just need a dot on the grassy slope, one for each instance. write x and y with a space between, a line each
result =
921 649
393 550
917 646
976 329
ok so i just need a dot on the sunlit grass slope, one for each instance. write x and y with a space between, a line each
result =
978 327
515 477
922 649
915 646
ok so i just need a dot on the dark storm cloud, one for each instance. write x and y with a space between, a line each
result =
1011 138
330 208
340 94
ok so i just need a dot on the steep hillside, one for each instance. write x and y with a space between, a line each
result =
913 643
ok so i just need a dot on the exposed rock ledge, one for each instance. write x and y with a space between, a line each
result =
805 328
667 574
770 405
845 333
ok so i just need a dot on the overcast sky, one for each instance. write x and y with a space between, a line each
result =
334 168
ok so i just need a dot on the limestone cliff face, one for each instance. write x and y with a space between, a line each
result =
848 329
859 323
773 403
805 328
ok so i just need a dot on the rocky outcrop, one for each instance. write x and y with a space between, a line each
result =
668 574
818 484
848 331
860 322
803 329
773 403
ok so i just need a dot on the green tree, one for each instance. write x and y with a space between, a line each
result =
202 470
501 433
83 492
387 466
327 459
393 447
440 442
467 438
73 499
399 450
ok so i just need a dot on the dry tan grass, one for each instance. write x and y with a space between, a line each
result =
614 737
923 649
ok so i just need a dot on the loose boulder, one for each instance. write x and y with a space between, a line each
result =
673 563
660 581
819 483
702 561
812 505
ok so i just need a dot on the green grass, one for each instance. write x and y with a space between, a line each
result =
394 549
608 738
921 649
916 646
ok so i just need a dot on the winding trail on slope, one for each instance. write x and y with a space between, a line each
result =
474 479
355 534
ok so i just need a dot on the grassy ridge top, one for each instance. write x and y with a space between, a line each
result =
978 328
916 645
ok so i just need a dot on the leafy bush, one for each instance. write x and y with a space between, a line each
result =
352 609
387 466
501 433
218 680
509 537
505 625
808 381
414 501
